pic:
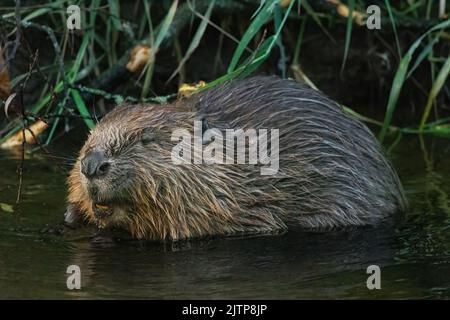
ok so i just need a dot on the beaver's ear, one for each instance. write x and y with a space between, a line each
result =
205 126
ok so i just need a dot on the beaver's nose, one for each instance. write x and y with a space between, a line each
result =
94 165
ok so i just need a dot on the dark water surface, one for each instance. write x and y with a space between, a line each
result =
413 253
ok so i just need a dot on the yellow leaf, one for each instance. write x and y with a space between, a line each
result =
344 11
284 3
186 89
31 133
6 207
138 58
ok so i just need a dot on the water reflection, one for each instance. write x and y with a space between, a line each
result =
413 250
255 267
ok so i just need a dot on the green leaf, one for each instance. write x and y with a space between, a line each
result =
87 37
36 13
348 32
260 20
437 86
6 207
298 45
428 48
400 77
80 55
114 10
392 19
252 63
196 40
81 106
162 33
282 60
261 55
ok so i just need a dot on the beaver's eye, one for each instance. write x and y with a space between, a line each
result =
147 137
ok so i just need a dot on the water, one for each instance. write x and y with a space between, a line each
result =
413 252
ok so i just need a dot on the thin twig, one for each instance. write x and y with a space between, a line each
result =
24 141
24 124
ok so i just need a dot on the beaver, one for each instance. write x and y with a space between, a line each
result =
331 170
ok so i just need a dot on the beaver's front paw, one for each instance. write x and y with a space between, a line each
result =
72 217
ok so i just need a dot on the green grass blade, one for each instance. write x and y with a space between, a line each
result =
261 5
264 15
87 37
348 32
59 111
37 13
425 52
400 76
361 117
82 109
299 42
394 27
48 68
282 60
45 100
265 49
195 41
148 19
72 74
162 33
93 13
310 11
166 24
397 85
435 89
114 10
259 57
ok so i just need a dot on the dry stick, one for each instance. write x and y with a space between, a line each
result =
55 44
24 141
442 9
56 48
47 152
37 66
118 73
16 46
23 118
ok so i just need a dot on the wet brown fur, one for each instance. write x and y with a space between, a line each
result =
332 170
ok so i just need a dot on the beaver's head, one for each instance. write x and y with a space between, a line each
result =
125 176
122 164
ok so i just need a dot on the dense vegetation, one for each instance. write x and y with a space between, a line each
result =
61 77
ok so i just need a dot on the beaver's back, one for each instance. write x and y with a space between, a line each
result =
332 168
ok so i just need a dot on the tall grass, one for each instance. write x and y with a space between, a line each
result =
180 28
